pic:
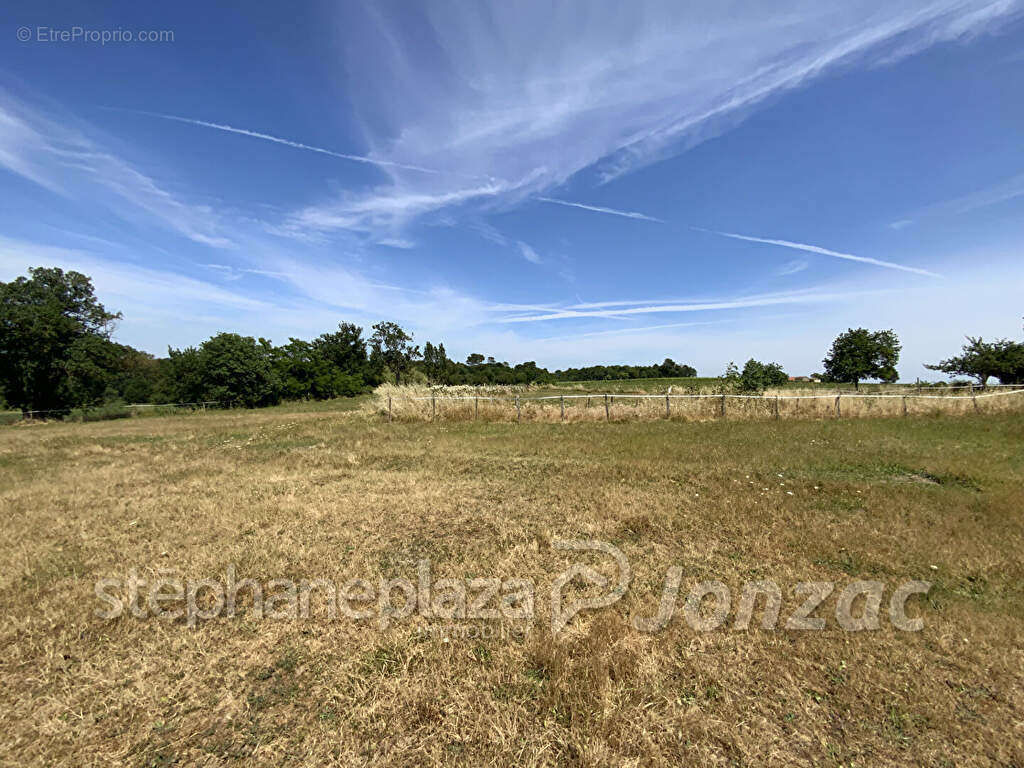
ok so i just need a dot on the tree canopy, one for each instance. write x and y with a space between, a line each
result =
392 347
1002 359
861 354
54 341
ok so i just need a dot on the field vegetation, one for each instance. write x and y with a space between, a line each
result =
304 493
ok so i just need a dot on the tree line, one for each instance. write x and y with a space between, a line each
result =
56 354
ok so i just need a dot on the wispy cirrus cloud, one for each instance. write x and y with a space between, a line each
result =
454 121
792 267
994 194
136 289
343 223
383 213
56 153
528 253
314 283
234 273
401 243
823 251
602 92
643 329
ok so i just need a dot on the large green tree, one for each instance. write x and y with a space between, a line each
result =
436 364
54 341
862 354
345 349
1002 359
392 347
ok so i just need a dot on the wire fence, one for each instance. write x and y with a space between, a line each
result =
28 415
689 406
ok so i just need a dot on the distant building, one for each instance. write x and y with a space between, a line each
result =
800 378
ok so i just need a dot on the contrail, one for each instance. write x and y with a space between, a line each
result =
754 301
285 142
823 251
599 209
365 159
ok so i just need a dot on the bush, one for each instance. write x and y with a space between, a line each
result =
105 412
757 376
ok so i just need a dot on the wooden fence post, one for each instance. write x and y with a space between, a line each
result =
519 415
974 397
668 408
723 406
389 409
776 407
561 402
904 405
476 407
839 413
607 415
433 407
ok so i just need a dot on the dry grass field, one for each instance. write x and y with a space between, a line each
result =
695 403
305 495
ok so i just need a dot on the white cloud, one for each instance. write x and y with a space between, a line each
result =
528 253
233 273
387 210
397 242
792 267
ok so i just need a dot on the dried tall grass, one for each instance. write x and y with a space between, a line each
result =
500 404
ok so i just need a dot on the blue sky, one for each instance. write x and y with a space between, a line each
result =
570 183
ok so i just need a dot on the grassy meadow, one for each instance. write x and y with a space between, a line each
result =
311 492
